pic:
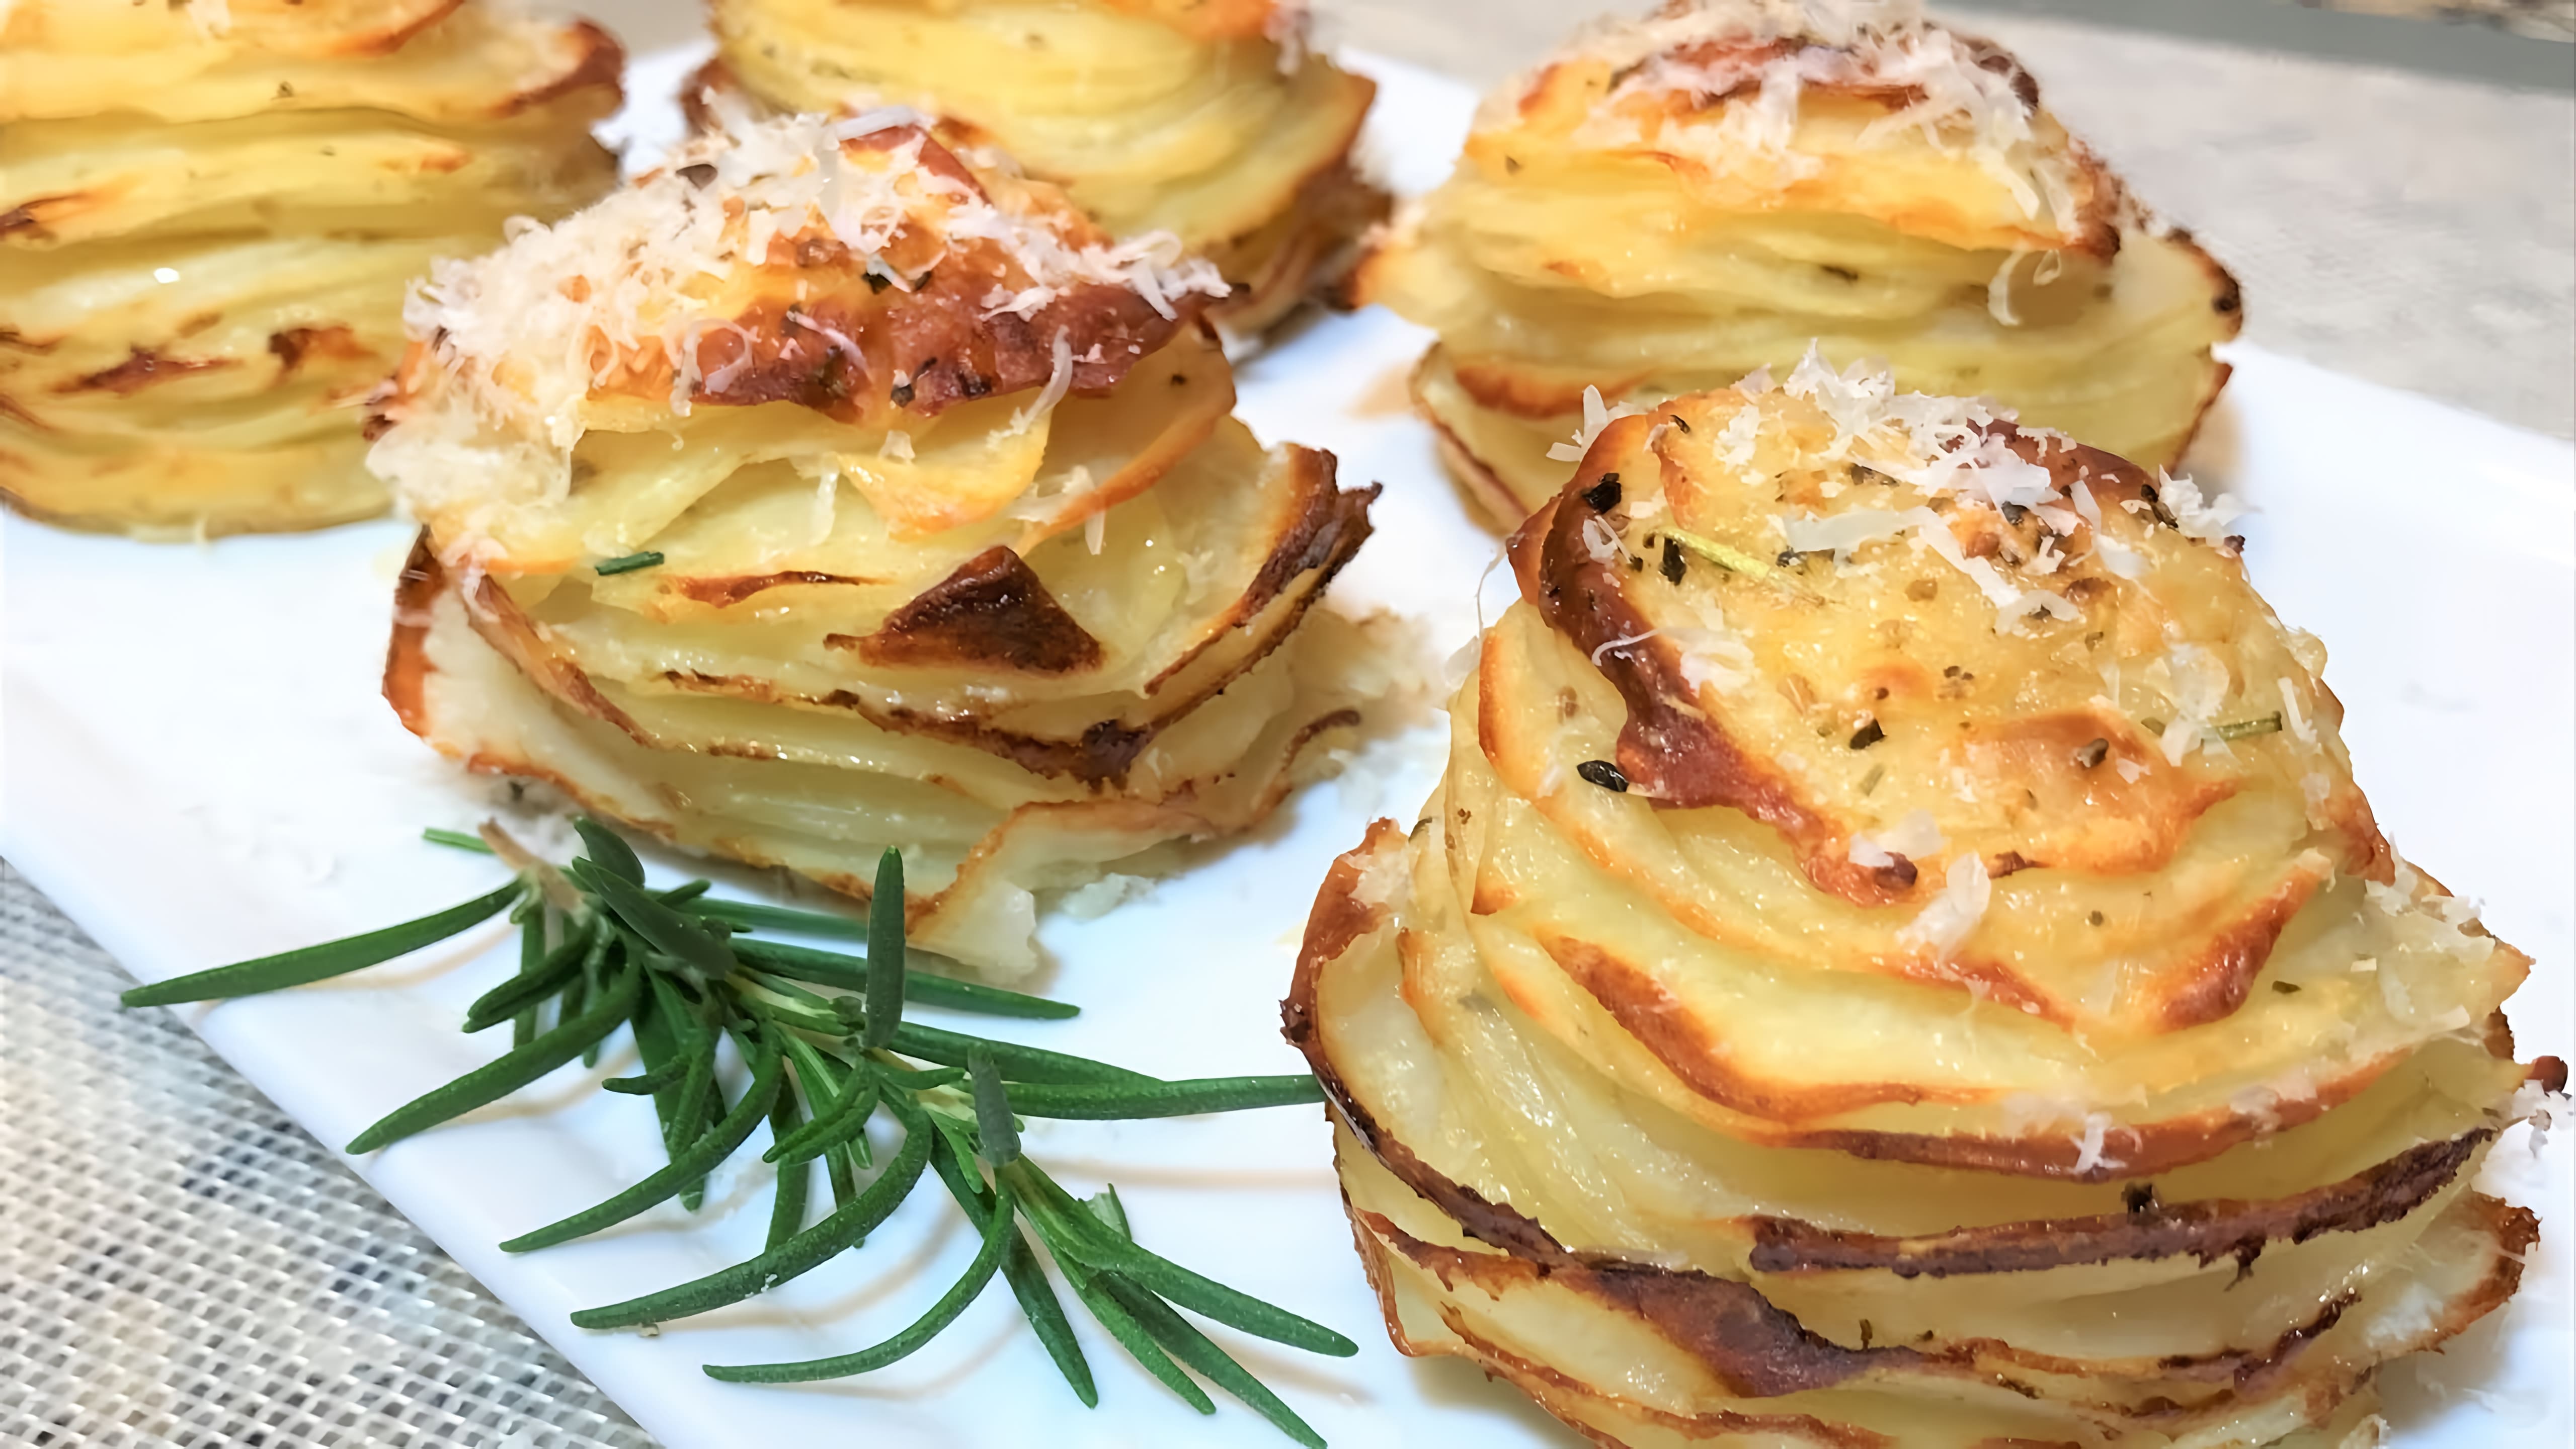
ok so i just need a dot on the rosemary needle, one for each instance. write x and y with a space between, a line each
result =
1019 1063
807 1250
1027 1280
885 953
988 1259
1184 1342
753 916
316 963
666 1182
830 968
787 1199
1163 1099
996 1133
495 1080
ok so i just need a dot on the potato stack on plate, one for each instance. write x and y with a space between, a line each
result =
209 212
1204 118
824 492
1899 952
1669 204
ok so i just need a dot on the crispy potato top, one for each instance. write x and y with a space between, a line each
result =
1866 109
856 268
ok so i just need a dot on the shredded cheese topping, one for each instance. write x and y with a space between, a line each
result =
1951 449
533 328
1742 65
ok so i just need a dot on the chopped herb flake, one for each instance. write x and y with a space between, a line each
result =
1867 735
628 564
1733 559
2092 752
1604 774
1603 495
2269 724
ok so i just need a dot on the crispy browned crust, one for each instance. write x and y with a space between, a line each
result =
1682 756
2096 231
830 337
1304 251
1561 1394
334 343
1778 1350
2207 1230
144 368
2227 298
600 62
406 658
1756 1350
993 612
1338 919
1691 1052
1752 1347
726 592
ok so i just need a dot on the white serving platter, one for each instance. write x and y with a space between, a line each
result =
195 764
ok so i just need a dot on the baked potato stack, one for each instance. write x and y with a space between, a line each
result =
208 215
1899 958
1670 204
824 491
1204 118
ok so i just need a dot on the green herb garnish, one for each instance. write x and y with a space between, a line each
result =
2269 724
626 563
601 950
1733 559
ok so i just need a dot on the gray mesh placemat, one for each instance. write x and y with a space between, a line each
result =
182 1265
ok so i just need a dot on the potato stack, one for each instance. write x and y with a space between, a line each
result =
1669 204
824 492
208 214
1204 118
1899 958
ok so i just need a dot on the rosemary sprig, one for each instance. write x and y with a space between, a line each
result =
829 1054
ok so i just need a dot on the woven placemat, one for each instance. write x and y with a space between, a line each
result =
181 1265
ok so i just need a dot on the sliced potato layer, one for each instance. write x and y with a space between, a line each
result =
1899 958
1669 205
209 216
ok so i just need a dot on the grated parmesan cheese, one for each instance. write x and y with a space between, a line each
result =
526 334
2207 520
2090 1142
1954 913
1595 418
1713 656
1914 837
1743 100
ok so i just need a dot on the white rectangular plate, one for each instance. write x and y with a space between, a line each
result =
194 763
